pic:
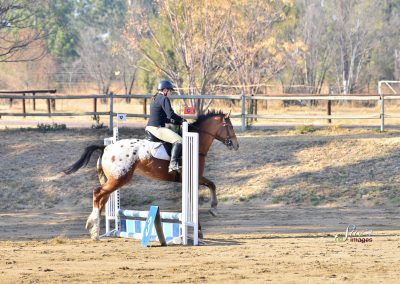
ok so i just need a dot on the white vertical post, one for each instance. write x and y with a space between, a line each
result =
117 206
195 189
190 184
115 134
113 203
185 127
111 125
184 182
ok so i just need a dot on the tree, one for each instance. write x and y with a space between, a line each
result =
386 59
58 20
355 27
18 31
108 16
258 46
102 49
95 54
312 29
126 60
182 41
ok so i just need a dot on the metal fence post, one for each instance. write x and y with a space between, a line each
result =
382 102
382 113
23 105
243 112
111 125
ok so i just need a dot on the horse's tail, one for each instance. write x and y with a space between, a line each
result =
84 159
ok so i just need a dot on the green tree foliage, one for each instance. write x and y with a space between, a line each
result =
108 16
57 19
62 21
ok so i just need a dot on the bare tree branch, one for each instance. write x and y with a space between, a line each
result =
20 40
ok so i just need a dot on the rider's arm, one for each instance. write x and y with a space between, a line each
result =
171 115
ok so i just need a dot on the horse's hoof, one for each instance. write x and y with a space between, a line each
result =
213 211
94 234
94 237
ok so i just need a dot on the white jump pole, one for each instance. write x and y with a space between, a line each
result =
190 184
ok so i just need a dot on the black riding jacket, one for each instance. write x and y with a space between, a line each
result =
161 112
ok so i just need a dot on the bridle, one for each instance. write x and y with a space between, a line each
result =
227 141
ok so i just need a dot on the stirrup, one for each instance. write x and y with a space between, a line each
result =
174 168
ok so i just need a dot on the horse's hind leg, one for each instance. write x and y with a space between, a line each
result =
213 192
100 198
93 221
100 173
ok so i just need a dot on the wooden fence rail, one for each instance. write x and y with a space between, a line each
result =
51 103
243 115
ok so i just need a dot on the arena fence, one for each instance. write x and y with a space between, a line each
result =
387 90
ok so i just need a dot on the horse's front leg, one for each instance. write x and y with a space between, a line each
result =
214 201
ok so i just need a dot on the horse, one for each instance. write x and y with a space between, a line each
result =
118 162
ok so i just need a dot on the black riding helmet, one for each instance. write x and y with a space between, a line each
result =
165 84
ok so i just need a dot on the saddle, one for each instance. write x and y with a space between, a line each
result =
167 146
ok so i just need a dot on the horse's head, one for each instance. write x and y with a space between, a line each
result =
218 125
226 133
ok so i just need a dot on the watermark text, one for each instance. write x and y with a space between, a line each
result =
353 235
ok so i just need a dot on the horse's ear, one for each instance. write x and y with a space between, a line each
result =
229 114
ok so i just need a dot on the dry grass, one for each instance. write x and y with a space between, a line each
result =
330 167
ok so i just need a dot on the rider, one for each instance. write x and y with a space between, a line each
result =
161 112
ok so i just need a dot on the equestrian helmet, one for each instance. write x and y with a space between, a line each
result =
165 84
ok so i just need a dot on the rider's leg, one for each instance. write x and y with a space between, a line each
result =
165 134
170 136
176 154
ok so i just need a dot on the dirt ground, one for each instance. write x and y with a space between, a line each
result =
243 245
283 198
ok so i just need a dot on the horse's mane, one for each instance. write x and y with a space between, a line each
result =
203 117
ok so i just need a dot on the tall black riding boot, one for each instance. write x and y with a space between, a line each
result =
176 153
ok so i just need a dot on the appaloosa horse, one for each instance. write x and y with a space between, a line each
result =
118 161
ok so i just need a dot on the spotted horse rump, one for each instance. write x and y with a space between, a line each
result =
119 158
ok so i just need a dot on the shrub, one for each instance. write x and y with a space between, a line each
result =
51 127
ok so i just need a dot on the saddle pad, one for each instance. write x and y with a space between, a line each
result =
158 151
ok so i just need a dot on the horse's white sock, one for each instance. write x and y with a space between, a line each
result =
95 212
